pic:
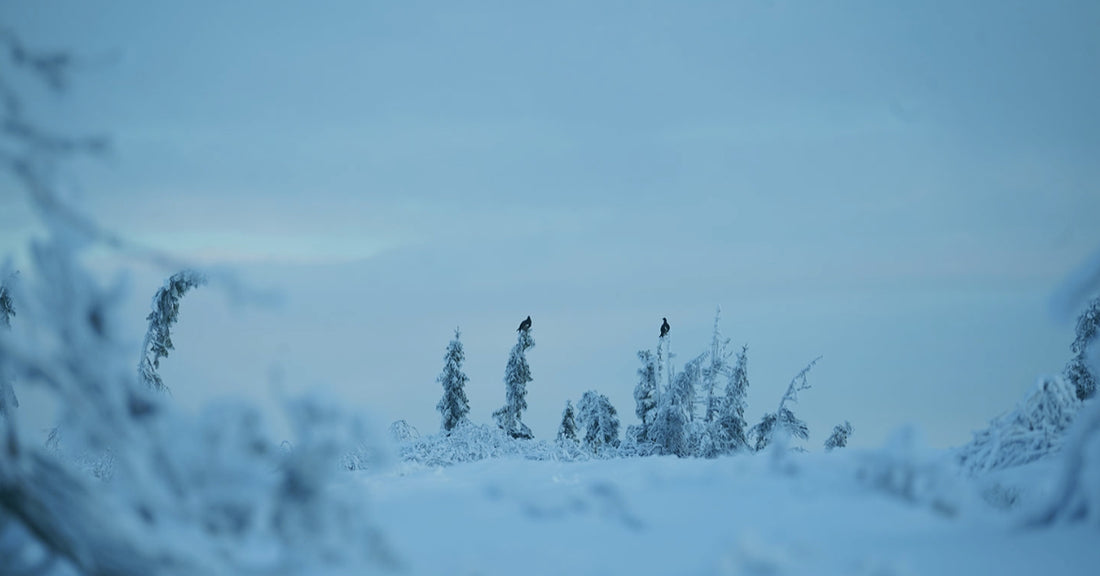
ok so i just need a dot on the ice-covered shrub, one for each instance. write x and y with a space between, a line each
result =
402 431
1035 429
470 442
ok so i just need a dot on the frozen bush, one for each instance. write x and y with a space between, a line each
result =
473 442
1035 429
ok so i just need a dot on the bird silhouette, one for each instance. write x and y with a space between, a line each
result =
664 327
525 325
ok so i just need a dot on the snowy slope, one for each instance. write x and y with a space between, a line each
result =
804 514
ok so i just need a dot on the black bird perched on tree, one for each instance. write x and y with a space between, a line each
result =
525 325
664 327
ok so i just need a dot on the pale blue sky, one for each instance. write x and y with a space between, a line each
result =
895 185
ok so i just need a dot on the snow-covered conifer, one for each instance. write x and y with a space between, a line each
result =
729 427
687 383
166 310
599 421
761 434
1077 371
783 420
839 437
567 430
671 431
717 367
516 376
453 406
645 394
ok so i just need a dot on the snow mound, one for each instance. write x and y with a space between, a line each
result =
1035 429
906 469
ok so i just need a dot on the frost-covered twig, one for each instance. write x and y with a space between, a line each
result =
798 384
783 419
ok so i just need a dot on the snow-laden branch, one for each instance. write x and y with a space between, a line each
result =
158 338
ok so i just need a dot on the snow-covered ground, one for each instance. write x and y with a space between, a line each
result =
895 511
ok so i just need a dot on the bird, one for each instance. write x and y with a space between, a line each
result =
525 325
664 327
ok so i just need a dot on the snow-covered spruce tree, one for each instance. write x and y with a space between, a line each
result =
717 367
671 431
599 420
516 376
1077 371
783 420
645 394
567 430
728 429
686 385
453 406
839 437
166 310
